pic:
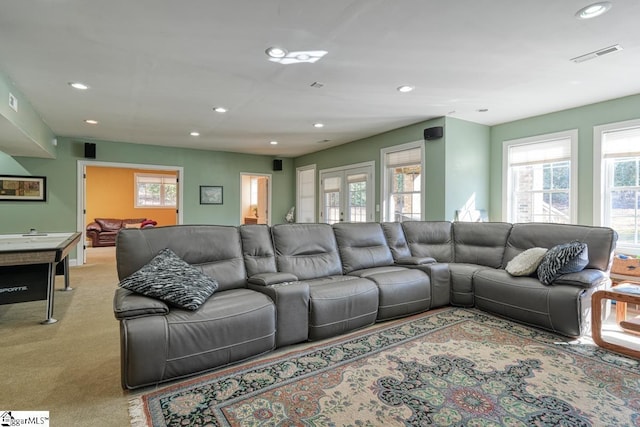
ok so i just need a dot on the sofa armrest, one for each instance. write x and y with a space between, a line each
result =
268 279
94 226
127 304
587 278
415 260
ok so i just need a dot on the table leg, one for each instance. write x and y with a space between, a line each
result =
66 274
51 279
596 318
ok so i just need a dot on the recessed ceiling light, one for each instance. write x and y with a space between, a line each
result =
220 109
405 88
318 125
276 52
78 85
91 122
593 10
194 133
273 142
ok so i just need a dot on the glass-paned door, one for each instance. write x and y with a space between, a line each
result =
346 195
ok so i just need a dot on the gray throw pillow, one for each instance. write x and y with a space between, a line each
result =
526 263
563 259
171 279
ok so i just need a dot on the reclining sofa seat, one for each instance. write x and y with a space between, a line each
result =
564 306
337 303
365 253
290 296
426 246
159 343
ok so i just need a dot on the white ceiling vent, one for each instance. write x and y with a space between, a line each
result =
597 53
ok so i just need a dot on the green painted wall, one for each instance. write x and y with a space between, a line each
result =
467 166
457 166
581 118
26 119
201 167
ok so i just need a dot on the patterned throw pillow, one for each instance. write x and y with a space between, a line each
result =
526 263
563 259
171 279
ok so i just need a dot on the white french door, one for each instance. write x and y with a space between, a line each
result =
346 194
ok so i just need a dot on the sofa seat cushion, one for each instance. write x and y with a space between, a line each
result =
338 304
229 327
461 276
402 292
556 308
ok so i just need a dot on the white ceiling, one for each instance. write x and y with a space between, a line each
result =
156 68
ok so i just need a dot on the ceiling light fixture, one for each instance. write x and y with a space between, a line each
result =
276 52
405 88
78 85
273 142
91 121
593 10
318 125
194 133
297 57
220 109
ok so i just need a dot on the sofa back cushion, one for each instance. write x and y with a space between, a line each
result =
109 224
601 241
396 240
213 249
361 245
480 243
430 239
307 250
257 249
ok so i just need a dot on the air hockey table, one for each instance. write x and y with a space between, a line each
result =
29 264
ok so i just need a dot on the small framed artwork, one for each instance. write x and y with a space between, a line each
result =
19 188
210 195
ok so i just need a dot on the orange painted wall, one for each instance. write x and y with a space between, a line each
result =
110 194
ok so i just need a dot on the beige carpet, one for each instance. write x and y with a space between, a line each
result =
70 368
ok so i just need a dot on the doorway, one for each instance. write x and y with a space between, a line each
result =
255 203
347 194
85 216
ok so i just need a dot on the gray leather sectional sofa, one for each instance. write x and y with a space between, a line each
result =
291 283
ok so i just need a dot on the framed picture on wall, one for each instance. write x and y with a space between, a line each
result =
210 195
19 188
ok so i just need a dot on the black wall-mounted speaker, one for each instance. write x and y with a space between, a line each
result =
89 150
277 164
433 133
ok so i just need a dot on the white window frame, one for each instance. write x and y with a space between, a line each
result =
300 195
385 183
572 135
152 175
600 217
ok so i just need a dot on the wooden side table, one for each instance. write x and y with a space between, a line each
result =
596 317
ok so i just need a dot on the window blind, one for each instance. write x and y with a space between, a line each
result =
621 143
540 152
403 158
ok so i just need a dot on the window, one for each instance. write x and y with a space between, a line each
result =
154 190
306 194
617 172
539 172
403 182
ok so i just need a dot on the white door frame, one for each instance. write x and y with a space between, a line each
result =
269 183
368 167
82 196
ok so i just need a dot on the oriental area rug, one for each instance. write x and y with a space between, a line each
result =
449 367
